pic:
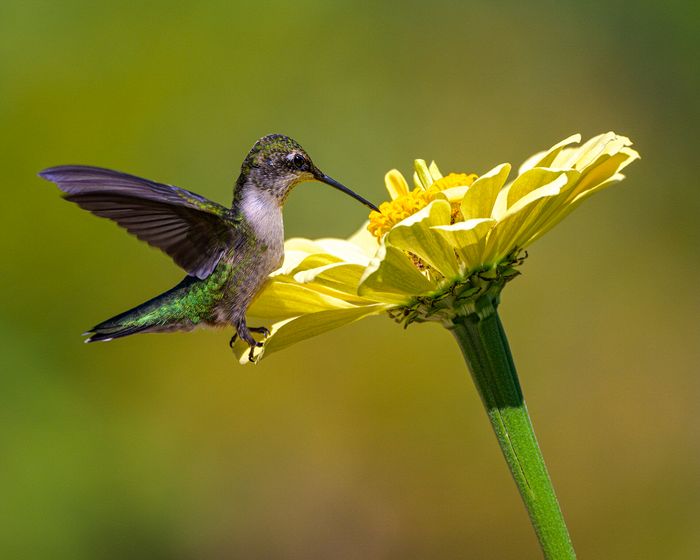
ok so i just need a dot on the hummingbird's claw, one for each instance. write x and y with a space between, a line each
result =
244 331
251 354
260 330
264 331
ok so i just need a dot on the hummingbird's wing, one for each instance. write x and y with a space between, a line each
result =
194 231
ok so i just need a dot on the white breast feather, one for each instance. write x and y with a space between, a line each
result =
264 215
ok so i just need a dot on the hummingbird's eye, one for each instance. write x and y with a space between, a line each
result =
299 161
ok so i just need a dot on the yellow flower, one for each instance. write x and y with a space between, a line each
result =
432 252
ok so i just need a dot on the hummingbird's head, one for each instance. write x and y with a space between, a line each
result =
276 164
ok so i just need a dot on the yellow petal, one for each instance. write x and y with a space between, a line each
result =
279 300
523 186
453 194
345 250
570 205
363 239
301 244
395 184
434 171
537 183
291 331
603 173
585 155
481 196
521 221
605 167
467 238
590 151
547 209
526 188
317 260
598 187
546 158
392 278
414 234
422 176
292 259
516 222
344 277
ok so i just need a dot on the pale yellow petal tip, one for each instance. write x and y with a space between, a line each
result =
622 144
395 183
573 139
435 171
632 153
422 176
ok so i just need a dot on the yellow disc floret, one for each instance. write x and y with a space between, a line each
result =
405 205
453 180
392 212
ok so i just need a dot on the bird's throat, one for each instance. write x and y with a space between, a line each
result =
263 212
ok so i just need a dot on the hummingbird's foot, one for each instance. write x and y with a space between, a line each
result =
245 332
260 330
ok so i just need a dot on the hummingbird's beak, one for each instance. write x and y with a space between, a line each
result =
319 176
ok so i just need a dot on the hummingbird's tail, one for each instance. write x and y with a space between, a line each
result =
166 312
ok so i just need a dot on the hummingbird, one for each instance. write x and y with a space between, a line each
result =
227 253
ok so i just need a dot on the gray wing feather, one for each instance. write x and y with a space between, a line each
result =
194 231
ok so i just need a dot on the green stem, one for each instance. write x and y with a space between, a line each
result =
483 341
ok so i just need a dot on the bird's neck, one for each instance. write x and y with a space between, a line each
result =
263 212
257 180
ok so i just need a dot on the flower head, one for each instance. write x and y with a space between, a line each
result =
432 252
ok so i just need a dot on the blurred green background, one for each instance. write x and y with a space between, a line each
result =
368 442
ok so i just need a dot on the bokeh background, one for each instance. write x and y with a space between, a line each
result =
368 442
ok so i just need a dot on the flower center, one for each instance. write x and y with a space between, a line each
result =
453 180
392 212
